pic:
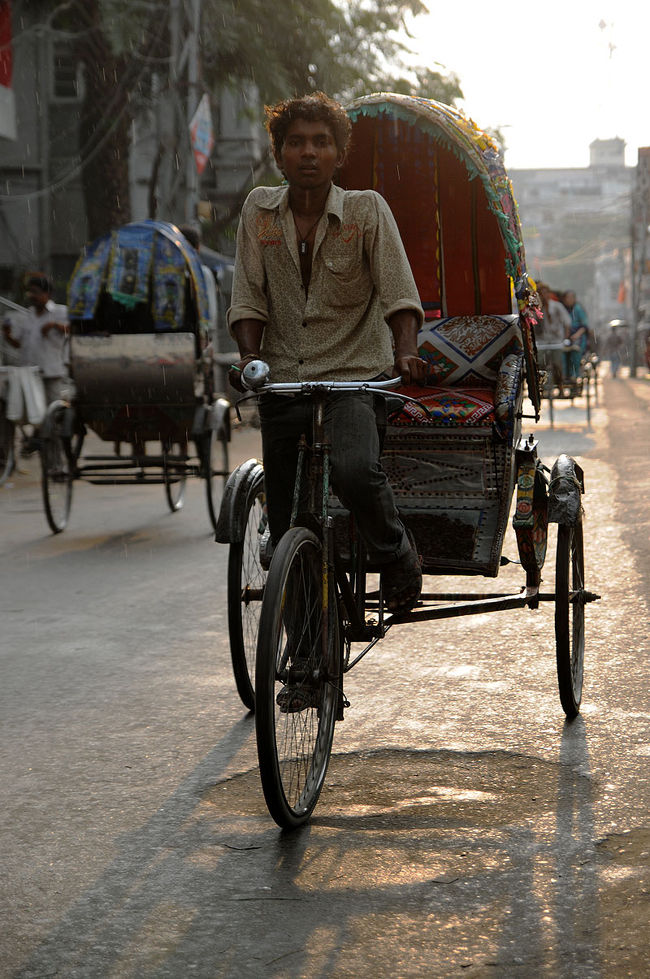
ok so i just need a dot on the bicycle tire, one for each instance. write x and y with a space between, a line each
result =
215 464
174 475
246 583
294 747
56 481
570 616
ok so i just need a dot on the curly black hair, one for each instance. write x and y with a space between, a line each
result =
40 281
316 107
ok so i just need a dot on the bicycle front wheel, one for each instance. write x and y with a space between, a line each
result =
297 679
246 582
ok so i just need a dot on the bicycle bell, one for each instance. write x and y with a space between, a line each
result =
255 374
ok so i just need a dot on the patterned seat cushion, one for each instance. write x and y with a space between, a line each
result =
467 351
446 406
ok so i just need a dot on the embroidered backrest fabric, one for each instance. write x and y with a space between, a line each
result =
467 351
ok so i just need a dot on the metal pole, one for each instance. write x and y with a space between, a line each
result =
43 95
192 190
640 214
170 164
638 282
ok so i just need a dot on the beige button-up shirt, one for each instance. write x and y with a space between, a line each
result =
360 276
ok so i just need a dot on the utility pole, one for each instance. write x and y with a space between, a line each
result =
179 179
640 218
193 96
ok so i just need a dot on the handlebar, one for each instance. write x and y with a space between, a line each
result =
255 378
558 345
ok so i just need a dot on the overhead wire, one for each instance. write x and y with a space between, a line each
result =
89 151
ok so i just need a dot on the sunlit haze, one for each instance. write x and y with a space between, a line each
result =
553 76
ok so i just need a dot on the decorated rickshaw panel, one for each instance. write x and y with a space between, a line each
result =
399 162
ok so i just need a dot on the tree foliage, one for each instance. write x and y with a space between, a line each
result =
343 47
114 52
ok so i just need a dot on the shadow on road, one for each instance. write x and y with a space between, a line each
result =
432 861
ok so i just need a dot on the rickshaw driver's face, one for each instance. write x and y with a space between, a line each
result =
309 156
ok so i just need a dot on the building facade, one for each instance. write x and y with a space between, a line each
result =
42 212
576 226
41 204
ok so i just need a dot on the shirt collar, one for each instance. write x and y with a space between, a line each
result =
278 197
49 306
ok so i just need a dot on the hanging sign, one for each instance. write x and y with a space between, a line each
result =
201 135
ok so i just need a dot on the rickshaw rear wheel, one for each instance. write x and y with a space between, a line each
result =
174 474
570 616
215 466
56 480
246 583
294 735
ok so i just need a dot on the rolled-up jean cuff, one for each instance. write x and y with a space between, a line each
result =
403 548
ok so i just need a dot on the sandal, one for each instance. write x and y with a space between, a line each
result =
402 581
298 695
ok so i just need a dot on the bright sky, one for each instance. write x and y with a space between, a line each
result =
543 73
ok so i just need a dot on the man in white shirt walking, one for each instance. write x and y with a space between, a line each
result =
40 335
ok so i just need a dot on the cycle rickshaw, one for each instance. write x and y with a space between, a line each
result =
556 387
141 373
454 453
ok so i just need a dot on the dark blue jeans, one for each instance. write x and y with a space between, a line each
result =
573 358
356 474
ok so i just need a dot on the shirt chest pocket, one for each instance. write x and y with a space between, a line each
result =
346 281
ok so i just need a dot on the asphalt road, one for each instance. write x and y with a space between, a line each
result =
465 829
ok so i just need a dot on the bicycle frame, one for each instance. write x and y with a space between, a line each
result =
351 593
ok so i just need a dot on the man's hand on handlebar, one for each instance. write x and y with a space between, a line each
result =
411 368
408 364
236 369
248 334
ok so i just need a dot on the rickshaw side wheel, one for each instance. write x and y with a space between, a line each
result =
56 480
570 615
216 471
174 474
297 681
246 582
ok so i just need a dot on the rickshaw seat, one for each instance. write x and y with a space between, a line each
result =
474 373
450 469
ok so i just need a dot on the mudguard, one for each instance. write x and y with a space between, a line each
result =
219 418
59 418
231 524
214 417
565 492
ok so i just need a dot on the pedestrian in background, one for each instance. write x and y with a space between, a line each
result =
40 339
553 329
577 334
614 348
41 334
